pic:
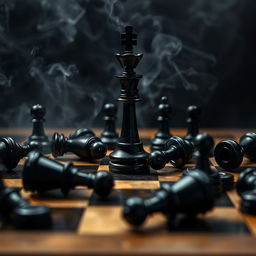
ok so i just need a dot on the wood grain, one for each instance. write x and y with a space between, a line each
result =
103 232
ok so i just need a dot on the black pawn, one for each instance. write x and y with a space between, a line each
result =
41 174
194 113
191 195
83 143
246 181
177 151
163 134
11 152
38 137
17 211
109 136
229 154
246 188
204 143
81 132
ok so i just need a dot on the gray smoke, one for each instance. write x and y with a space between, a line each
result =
61 54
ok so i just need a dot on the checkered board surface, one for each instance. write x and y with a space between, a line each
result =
84 215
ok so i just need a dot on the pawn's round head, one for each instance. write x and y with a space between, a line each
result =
156 160
103 183
110 109
246 181
98 150
38 111
164 100
164 108
194 111
134 211
204 142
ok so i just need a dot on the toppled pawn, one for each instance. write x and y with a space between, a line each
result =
38 137
41 174
193 120
222 181
109 136
163 134
191 195
177 151
80 133
246 188
17 211
11 152
229 154
83 143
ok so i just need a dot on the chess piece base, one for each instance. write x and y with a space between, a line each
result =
129 159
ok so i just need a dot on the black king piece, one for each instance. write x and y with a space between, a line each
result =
129 156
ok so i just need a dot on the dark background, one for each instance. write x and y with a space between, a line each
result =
60 53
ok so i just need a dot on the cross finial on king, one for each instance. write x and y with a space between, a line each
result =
128 39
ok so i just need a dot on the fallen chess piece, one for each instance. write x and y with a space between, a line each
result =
109 136
163 133
191 195
222 181
18 212
177 151
81 132
38 137
82 142
229 154
246 188
41 174
11 152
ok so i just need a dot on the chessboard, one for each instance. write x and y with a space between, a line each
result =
84 224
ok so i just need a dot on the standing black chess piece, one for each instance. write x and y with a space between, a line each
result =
38 137
11 152
191 195
129 155
229 154
82 142
193 120
163 134
41 174
221 180
15 209
109 136
246 188
177 151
